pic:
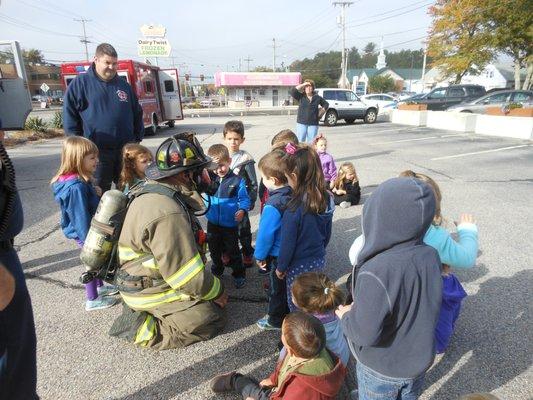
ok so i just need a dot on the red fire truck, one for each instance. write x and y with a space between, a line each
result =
157 89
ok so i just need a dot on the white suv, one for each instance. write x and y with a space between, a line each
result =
344 104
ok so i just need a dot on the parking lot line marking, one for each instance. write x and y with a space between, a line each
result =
405 140
365 131
480 152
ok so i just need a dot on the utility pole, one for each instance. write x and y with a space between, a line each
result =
240 68
343 81
424 66
248 63
84 40
274 55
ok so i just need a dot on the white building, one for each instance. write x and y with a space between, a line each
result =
257 89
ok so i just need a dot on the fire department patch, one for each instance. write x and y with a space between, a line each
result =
175 157
122 95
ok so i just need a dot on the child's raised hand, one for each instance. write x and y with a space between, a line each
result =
466 219
267 382
261 263
239 215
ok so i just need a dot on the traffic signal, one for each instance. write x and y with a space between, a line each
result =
202 77
187 77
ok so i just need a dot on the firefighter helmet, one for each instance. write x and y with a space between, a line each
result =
176 154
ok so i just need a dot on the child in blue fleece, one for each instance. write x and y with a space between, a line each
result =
457 254
268 240
306 223
78 200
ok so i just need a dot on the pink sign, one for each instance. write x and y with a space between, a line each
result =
257 79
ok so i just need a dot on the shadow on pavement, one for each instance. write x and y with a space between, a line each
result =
234 357
489 349
56 262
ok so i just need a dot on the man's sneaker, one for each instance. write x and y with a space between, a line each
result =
345 204
225 259
222 383
107 290
239 282
248 261
100 303
266 326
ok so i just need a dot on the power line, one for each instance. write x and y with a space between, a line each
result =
25 25
391 16
393 10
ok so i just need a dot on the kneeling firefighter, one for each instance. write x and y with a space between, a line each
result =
171 301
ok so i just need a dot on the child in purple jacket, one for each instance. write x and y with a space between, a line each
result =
328 163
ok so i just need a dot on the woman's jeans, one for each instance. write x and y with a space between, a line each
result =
373 385
306 133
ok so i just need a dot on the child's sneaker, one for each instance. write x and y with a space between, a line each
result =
266 326
248 261
100 303
264 271
107 290
239 282
345 204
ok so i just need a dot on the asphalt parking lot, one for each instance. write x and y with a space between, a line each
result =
491 350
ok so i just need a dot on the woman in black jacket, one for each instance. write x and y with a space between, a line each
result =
311 108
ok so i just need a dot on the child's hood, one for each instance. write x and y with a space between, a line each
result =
62 186
327 384
398 213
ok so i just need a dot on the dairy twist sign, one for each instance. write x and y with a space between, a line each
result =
153 47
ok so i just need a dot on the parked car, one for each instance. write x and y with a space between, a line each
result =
443 97
210 103
381 101
345 104
413 98
495 99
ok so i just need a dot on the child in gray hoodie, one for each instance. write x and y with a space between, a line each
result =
397 292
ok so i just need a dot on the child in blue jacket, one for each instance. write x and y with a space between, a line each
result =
268 240
227 208
78 200
306 223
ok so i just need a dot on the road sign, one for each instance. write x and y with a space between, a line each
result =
153 47
44 87
153 30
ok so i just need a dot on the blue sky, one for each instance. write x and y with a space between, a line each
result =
209 35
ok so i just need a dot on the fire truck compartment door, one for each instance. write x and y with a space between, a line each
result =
15 100
170 94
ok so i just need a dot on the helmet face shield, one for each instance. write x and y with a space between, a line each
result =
178 153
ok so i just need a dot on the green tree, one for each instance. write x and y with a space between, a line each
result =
512 28
458 39
370 48
381 84
33 56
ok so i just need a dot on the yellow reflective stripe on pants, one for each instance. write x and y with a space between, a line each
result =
215 289
150 263
127 254
186 272
145 302
146 331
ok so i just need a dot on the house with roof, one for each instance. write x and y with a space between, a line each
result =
405 78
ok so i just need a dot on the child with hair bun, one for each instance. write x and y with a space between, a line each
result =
315 294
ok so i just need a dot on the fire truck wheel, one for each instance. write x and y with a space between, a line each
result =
152 130
171 123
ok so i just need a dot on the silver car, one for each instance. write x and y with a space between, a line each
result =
494 99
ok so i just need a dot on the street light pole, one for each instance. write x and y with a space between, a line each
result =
343 4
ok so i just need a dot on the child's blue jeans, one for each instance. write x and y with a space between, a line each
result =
373 385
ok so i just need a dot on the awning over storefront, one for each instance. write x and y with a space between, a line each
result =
240 79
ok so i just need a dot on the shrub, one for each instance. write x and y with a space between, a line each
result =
57 120
35 124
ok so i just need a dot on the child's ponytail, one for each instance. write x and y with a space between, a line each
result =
315 293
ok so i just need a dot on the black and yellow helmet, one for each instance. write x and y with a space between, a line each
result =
178 153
